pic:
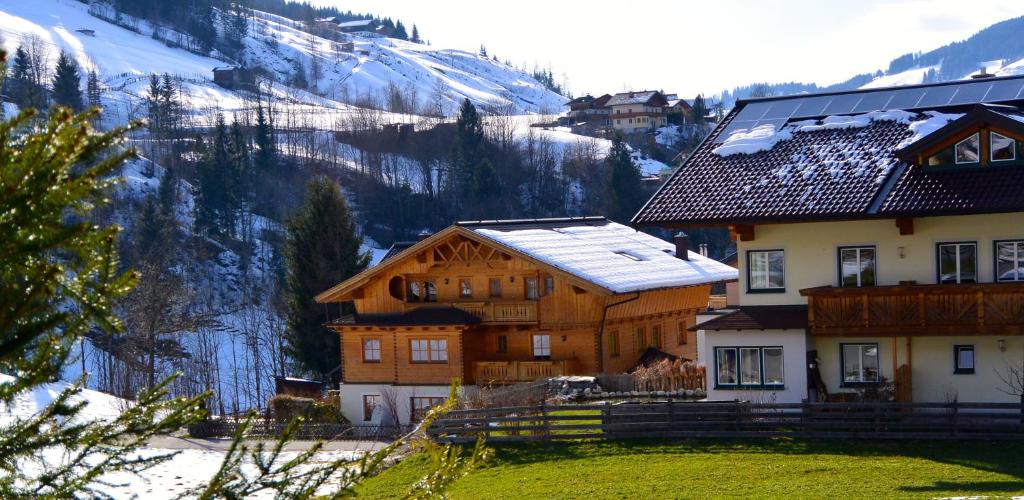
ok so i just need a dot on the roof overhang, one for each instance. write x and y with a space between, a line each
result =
981 115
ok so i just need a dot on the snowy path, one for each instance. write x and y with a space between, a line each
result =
179 443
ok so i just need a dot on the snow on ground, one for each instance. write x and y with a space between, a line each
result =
909 77
100 406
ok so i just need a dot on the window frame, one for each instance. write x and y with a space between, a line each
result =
739 385
429 350
432 401
367 411
549 285
640 339
657 341
750 281
938 262
429 291
535 295
842 364
959 370
956 159
995 260
992 150
858 248
380 349
465 285
533 346
491 288
681 331
614 348
502 344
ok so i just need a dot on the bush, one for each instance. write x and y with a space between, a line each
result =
323 411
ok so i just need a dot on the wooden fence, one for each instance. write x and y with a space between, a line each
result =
734 420
271 429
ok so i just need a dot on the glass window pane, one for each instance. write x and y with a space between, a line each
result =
947 264
429 291
750 366
851 363
758 270
848 266
967 150
867 267
773 366
1003 148
968 263
1010 261
776 270
726 359
965 358
869 359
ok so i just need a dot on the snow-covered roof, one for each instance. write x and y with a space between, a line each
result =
610 255
632 97
356 24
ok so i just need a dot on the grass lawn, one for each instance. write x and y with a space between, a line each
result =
741 468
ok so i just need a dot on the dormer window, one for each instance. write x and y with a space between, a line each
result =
1003 148
968 150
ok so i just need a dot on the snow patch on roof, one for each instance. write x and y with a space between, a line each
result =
924 128
610 255
761 138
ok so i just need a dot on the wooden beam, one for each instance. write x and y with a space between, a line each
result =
744 232
906 226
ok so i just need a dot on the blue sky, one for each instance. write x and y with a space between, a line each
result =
695 46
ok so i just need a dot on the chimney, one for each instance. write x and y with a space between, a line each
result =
682 245
982 74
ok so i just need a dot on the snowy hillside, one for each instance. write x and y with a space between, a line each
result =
123 59
916 76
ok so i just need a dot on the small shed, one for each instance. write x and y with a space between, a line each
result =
86 31
225 76
298 387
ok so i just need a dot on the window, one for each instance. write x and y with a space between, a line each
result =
542 346
429 291
502 344
1010 260
656 336
749 367
465 288
1002 148
531 288
944 157
766 271
641 339
370 403
549 285
613 343
856 266
428 350
967 150
958 262
859 363
495 286
681 333
414 291
419 406
371 350
963 359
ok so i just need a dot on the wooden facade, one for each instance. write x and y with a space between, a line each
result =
535 320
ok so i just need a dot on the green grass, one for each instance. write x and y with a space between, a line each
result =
748 468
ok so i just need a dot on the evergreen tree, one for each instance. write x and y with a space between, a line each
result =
170 106
167 194
93 92
265 162
483 50
415 35
154 110
67 81
215 212
321 250
699 110
467 153
22 87
239 174
400 32
623 194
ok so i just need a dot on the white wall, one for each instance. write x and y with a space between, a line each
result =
352 400
812 250
794 362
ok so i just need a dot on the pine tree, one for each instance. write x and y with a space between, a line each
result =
265 162
623 194
321 250
167 194
21 82
400 32
239 175
415 35
93 92
214 206
154 110
483 50
170 107
67 83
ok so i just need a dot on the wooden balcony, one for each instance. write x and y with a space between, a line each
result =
967 309
490 312
517 371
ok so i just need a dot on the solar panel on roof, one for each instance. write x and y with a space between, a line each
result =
812 106
843 104
782 109
754 110
875 101
1004 90
971 93
905 98
937 96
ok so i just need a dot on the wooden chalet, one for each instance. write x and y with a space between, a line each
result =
511 301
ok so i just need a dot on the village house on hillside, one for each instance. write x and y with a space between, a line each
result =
498 302
633 112
880 238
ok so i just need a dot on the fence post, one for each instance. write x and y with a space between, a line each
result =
671 407
544 418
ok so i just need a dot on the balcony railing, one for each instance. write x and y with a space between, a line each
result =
489 312
517 371
966 309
